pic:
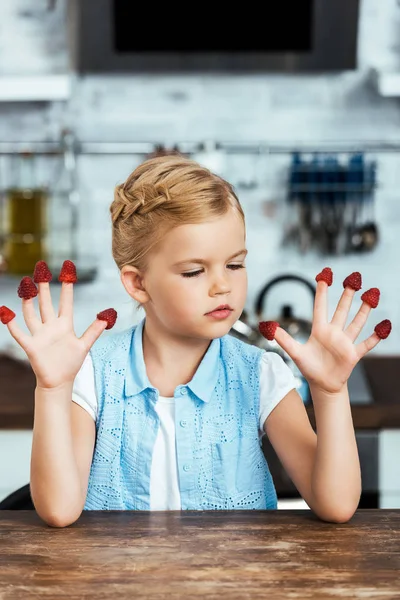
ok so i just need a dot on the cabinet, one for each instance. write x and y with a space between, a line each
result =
370 451
389 468
379 456
15 453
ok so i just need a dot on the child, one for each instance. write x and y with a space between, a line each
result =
168 414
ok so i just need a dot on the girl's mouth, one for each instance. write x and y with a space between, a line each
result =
219 313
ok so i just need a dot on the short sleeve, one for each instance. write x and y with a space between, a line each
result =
276 380
84 388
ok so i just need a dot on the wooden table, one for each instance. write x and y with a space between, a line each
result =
277 555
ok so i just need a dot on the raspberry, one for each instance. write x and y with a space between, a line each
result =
371 297
325 275
268 328
42 273
27 289
383 329
6 314
353 281
68 272
109 315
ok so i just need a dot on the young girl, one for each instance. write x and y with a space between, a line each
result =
168 414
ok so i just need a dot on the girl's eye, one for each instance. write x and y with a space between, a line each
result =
195 273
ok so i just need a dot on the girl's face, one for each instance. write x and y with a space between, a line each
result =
181 289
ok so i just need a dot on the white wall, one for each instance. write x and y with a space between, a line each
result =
272 108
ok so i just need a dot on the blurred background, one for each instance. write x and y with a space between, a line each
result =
305 125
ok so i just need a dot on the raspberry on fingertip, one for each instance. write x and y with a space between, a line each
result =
27 289
353 281
383 329
6 315
109 315
42 273
325 275
68 272
371 297
268 329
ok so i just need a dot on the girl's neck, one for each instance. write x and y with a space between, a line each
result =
170 361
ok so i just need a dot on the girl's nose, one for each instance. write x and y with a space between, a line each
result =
220 284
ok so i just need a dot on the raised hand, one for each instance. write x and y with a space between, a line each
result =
330 354
55 352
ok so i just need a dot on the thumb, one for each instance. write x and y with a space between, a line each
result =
105 320
92 333
291 346
17 333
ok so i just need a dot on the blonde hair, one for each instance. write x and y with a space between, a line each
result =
160 194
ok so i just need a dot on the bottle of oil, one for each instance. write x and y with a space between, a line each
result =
26 220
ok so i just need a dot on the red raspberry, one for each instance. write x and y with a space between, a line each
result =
68 272
383 329
27 289
353 281
371 297
6 314
42 273
109 315
325 275
268 328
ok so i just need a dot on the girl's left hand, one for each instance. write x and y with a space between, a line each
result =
328 357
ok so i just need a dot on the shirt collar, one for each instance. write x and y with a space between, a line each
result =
202 384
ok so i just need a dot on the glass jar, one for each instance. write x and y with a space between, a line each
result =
25 218
41 213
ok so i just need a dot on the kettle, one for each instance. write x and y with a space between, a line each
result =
298 328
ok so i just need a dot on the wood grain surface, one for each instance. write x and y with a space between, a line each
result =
276 555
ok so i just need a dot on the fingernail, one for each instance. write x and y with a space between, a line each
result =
6 315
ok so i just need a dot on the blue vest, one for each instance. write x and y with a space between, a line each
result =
220 460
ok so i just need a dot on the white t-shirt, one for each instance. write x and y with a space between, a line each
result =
276 380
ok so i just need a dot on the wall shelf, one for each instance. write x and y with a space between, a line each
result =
40 88
387 83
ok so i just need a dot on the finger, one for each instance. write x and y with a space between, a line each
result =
342 310
66 304
291 346
93 332
45 304
17 333
32 321
355 327
363 347
321 303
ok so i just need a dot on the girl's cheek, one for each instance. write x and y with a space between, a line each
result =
183 289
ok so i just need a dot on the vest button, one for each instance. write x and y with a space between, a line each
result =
183 423
183 391
186 467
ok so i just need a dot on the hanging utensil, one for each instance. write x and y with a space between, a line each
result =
369 230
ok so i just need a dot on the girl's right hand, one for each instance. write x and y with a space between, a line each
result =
54 351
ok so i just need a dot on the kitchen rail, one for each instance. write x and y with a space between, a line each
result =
147 147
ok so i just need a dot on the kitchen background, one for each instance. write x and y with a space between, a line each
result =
275 136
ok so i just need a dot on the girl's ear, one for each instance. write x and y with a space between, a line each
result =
132 280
